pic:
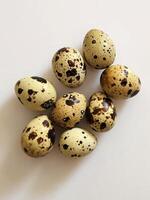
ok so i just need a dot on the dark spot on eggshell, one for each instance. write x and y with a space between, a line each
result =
56 58
126 73
82 112
96 111
107 100
51 135
124 82
74 51
45 123
103 125
89 116
59 74
134 93
113 84
29 99
69 102
20 100
49 147
72 100
65 95
72 72
80 142
66 119
78 78
65 146
93 41
28 129
20 90
47 104
39 140
25 150
139 81
70 80
71 63
43 90
32 136
113 115
95 56
39 79
84 68
129 92
62 50
130 85
30 91
74 155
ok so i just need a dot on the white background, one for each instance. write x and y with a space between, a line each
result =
30 33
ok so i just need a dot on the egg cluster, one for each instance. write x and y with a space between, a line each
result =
38 94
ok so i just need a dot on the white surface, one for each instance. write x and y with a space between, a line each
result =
30 33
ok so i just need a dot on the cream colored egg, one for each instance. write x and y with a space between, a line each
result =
101 112
98 49
35 93
119 82
68 66
38 137
69 109
77 142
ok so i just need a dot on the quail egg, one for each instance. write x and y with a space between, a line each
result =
69 109
38 137
35 93
68 66
101 112
98 49
119 82
77 142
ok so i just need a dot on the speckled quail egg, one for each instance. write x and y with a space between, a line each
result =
35 93
38 137
119 81
77 142
98 49
101 112
68 65
69 109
